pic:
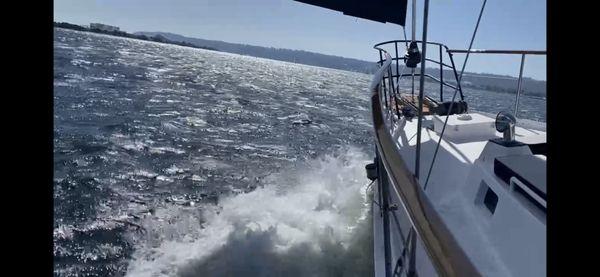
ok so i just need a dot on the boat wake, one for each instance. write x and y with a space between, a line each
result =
310 220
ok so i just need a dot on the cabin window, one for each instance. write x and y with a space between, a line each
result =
490 200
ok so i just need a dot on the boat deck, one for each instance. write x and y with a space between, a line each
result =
463 170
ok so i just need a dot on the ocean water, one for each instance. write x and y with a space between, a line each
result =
173 161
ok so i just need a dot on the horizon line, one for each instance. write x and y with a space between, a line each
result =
303 50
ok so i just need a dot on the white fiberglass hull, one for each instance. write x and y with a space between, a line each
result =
508 239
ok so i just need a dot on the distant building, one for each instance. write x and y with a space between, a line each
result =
103 27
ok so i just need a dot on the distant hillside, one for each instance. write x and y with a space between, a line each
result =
483 81
156 38
297 56
491 82
505 84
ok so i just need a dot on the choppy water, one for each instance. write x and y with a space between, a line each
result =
173 161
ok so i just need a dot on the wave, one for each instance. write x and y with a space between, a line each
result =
309 220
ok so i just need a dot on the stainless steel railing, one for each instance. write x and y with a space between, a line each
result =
448 258
523 53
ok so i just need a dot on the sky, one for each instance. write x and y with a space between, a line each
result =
506 24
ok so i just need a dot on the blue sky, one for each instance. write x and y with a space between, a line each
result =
506 24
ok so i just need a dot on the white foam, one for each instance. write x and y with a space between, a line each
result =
195 121
162 150
198 178
164 178
174 170
144 173
307 212
208 162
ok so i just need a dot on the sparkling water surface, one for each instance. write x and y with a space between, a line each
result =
174 161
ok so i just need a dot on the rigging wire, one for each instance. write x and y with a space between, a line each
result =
405 39
414 20
423 61
454 95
